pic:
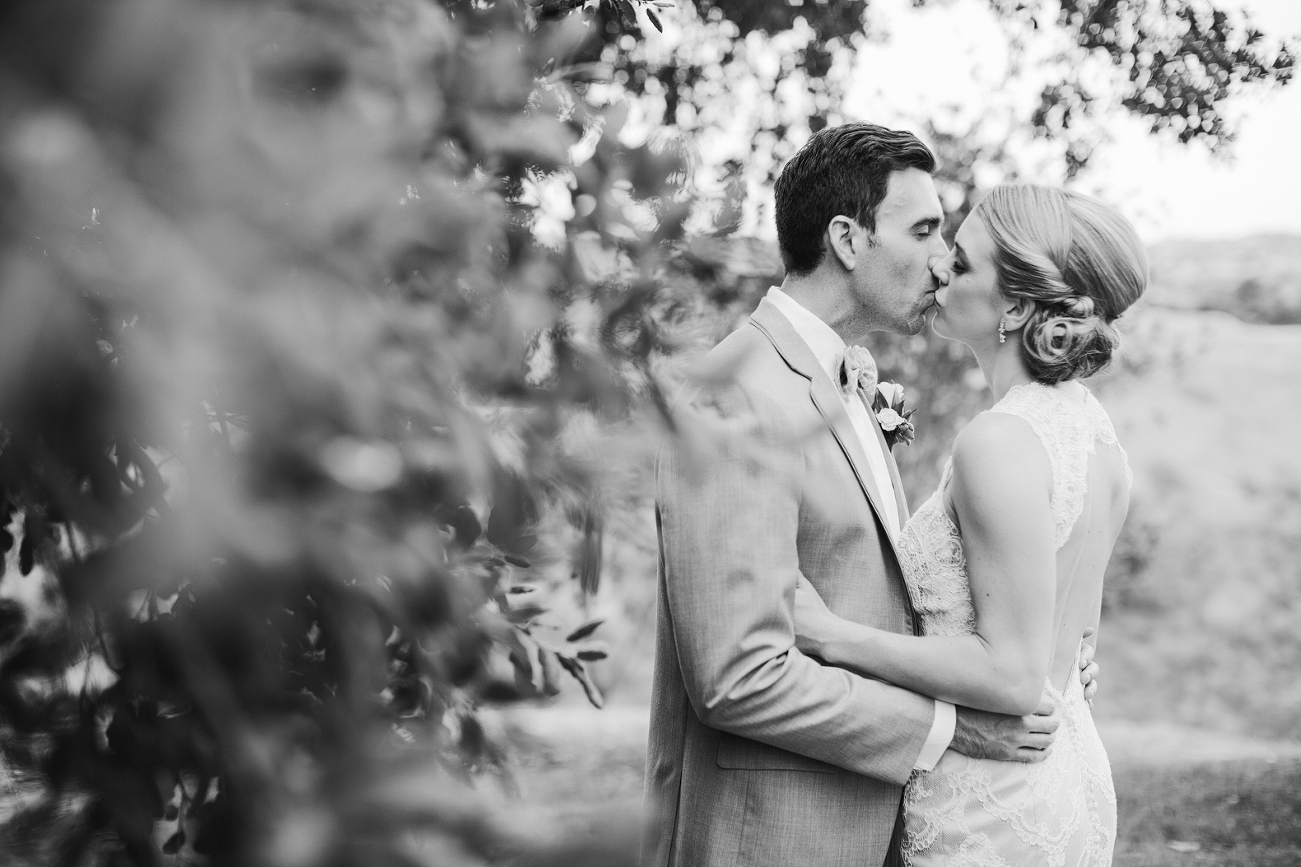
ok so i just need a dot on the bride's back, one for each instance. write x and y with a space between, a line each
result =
1082 561
1090 496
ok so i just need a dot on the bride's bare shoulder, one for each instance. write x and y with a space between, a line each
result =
999 448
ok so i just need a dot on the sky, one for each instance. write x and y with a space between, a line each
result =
947 59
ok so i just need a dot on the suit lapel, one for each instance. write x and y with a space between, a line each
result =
792 348
899 499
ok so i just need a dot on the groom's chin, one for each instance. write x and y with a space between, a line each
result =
916 326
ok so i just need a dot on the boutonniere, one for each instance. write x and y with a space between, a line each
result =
891 414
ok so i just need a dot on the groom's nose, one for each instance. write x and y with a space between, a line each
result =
939 272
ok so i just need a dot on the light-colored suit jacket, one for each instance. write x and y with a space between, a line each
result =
759 755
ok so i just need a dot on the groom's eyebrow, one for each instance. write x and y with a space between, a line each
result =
928 223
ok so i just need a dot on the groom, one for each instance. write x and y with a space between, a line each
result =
760 756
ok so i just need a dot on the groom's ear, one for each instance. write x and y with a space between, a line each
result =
842 235
1018 313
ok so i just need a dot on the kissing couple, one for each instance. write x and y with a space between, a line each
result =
837 681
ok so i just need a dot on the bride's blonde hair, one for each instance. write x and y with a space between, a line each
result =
1080 261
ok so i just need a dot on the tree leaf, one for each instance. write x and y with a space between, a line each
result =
584 678
550 671
628 15
585 630
524 613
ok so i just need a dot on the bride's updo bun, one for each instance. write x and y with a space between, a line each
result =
1082 264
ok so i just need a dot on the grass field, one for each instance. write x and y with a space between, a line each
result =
1185 798
1226 814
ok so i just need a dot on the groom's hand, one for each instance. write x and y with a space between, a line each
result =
984 735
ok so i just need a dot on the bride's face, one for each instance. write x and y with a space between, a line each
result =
968 304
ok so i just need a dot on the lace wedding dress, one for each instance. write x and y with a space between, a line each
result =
980 813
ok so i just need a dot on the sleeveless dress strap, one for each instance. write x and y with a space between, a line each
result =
1061 418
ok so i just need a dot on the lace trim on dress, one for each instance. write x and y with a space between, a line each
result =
930 554
1068 420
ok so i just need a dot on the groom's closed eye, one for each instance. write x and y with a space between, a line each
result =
926 228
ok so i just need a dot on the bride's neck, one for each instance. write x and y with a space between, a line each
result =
1003 368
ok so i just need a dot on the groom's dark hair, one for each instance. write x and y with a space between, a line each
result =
841 171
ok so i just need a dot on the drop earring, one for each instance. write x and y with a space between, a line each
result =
1002 332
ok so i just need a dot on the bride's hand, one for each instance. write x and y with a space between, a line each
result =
815 625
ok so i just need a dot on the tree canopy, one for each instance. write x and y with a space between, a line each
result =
1172 62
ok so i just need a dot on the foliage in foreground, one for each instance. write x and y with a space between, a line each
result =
285 377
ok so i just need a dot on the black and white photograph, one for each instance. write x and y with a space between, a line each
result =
650 433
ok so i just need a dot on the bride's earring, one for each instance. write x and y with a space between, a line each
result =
1002 332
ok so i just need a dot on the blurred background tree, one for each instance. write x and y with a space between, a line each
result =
743 84
336 337
756 78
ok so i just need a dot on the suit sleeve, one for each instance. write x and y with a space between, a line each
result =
729 515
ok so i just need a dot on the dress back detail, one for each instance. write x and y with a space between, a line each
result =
1069 422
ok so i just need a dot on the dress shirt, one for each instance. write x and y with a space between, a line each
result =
828 348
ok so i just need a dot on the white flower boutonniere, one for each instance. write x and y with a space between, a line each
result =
891 414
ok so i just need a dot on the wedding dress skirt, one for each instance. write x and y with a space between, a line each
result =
980 813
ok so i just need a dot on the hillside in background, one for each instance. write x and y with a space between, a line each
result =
1204 621
1257 279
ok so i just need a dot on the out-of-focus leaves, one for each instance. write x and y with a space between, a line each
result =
649 171
578 669
589 557
518 141
271 283
514 516
592 651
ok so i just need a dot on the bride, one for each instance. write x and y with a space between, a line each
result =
1004 563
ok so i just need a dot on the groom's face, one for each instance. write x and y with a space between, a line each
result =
893 282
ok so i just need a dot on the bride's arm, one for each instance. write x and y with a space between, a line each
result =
1000 490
